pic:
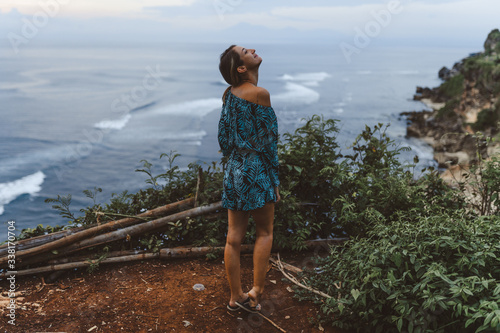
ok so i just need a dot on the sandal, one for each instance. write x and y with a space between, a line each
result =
248 308
238 305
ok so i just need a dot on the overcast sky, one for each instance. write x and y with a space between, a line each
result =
398 22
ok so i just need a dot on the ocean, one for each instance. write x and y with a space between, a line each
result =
77 118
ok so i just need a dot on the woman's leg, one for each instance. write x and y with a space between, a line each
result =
264 218
237 227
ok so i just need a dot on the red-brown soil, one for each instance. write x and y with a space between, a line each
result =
156 296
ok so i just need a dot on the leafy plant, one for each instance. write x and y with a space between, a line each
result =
437 273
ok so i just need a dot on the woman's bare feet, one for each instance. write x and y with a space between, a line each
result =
255 299
243 297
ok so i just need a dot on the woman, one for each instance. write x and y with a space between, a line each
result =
248 135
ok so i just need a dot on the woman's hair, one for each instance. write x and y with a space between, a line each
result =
229 62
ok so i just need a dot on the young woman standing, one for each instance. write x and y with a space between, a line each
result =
248 137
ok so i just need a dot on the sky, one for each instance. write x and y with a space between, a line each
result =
453 23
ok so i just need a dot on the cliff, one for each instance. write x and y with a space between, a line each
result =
465 103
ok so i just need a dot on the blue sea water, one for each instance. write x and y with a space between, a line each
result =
78 118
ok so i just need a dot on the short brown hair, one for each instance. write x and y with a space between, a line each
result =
228 65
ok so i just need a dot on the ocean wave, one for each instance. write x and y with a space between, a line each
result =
220 82
296 93
196 108
116 124
307 79
31 184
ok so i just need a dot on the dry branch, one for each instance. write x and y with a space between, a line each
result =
294 280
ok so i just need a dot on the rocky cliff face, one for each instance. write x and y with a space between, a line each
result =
466 102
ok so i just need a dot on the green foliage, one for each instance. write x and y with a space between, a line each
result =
453 88
306 188
485 119
436 273
483 186
377 187
63 206
153 243
448 110
485 72
38 231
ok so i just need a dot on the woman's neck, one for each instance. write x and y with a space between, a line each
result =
252 78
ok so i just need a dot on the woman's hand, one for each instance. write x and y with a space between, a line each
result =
277 191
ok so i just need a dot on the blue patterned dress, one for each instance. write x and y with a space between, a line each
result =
248 136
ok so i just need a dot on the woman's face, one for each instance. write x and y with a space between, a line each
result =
248 56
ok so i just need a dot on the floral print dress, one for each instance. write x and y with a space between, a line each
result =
248 137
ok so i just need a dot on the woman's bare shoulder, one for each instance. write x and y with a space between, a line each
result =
262 96
254 94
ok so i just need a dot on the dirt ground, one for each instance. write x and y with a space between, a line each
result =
157 296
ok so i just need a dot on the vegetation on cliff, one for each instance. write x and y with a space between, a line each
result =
470 104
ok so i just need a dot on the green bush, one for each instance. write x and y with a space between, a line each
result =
439 273
486 119
448 110
306 189
453 88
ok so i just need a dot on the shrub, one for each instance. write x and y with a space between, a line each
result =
486 119
453 88
438 273
448 110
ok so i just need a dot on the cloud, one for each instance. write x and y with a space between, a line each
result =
93 8
420 21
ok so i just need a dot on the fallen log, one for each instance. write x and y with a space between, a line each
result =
90 232
43 239
165 253
119 234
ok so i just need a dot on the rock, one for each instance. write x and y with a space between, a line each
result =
445 160
444 73
492 42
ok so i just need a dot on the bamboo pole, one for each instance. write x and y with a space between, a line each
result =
90 232
165 253
78 264
43 239
118 234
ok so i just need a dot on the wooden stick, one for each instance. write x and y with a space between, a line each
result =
286 266
199 186
272 322
44 239
73 238
294 280
125 232
72 265
165 253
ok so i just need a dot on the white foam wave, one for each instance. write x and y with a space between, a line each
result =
31 185
196 108
116 124
307 79
296 93
338 110
364 72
